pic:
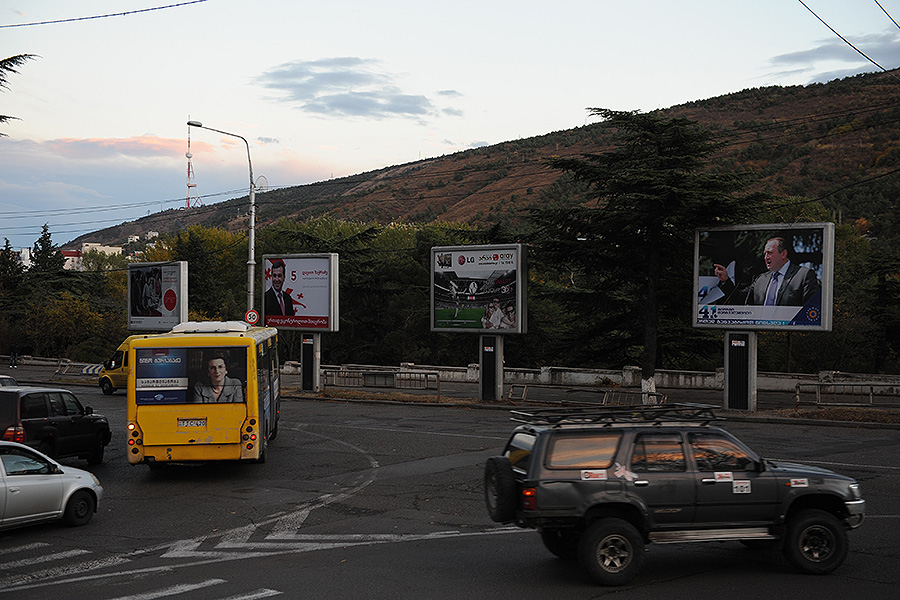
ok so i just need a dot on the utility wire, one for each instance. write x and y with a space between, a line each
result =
863 54
121 14
886 12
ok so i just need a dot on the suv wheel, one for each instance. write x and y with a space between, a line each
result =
562 542
500 489
816 542
612 551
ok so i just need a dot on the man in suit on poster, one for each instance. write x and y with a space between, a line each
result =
782 284
277 301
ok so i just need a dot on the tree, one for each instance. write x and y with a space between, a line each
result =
11 269
627 240
8 65
45 256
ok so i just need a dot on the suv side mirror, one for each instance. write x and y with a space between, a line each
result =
88 410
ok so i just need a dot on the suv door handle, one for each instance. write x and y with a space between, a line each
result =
707 481
642 482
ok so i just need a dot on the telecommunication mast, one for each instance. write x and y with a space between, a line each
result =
192 200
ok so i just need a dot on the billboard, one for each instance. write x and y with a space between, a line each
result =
479 288
157 295
197 375
301 291
769 276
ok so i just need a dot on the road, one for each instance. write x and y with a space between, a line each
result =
362 500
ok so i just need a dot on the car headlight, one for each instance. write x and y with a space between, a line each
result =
96 481
854 491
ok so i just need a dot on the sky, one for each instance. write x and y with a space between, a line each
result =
322 90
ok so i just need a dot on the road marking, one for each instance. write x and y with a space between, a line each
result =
40 559
173 590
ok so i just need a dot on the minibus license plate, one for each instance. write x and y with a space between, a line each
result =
192 422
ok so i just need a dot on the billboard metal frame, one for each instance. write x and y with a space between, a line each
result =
157 295
465 281
739 249
313 283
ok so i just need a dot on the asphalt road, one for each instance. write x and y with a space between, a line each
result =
362 500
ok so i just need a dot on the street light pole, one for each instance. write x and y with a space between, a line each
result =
251 238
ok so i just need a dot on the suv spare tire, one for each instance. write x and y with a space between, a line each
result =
500 494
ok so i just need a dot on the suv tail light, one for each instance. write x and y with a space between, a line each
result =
14 434
529 499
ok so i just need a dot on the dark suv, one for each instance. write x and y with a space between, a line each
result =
600 483
53 421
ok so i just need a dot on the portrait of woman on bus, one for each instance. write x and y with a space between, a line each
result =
217 387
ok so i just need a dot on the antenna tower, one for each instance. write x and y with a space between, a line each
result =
192 200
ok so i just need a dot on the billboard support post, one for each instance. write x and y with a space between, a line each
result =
740 370
490 371
310 357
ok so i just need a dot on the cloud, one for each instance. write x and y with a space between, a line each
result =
144 146
345 86
879 47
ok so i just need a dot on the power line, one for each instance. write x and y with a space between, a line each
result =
886 12
863 54
121 14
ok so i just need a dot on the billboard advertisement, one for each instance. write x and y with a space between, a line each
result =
768 276
301 291
190 375
479 288
157 295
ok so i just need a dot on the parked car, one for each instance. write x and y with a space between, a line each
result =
600 483
35 488
53 421
7 381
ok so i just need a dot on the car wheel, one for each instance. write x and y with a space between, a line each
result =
612 551
561 542
106 387
816 542
80 509
96 455
500 489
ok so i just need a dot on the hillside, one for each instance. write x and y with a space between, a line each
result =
835 141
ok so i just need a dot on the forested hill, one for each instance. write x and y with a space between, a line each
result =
838 141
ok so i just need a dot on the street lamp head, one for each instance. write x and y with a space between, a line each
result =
195 124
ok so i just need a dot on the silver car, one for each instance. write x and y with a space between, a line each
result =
35 488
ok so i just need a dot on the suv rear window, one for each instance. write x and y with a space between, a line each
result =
583 451
33 407
7 408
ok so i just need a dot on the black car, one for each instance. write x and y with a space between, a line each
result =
600 483
54 422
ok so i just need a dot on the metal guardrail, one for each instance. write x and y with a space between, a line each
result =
604 397
848 394
407 380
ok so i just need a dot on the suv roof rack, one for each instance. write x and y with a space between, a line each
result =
638 413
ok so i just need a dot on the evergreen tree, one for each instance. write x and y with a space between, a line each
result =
623 247
46 257
11 268
8 65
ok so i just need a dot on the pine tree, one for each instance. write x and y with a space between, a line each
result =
45 257
627 238
11 268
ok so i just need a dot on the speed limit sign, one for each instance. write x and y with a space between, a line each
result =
252 317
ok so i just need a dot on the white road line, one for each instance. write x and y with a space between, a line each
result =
261 593
25 548
173 590
27 578
47 558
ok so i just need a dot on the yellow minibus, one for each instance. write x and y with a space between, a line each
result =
204 391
